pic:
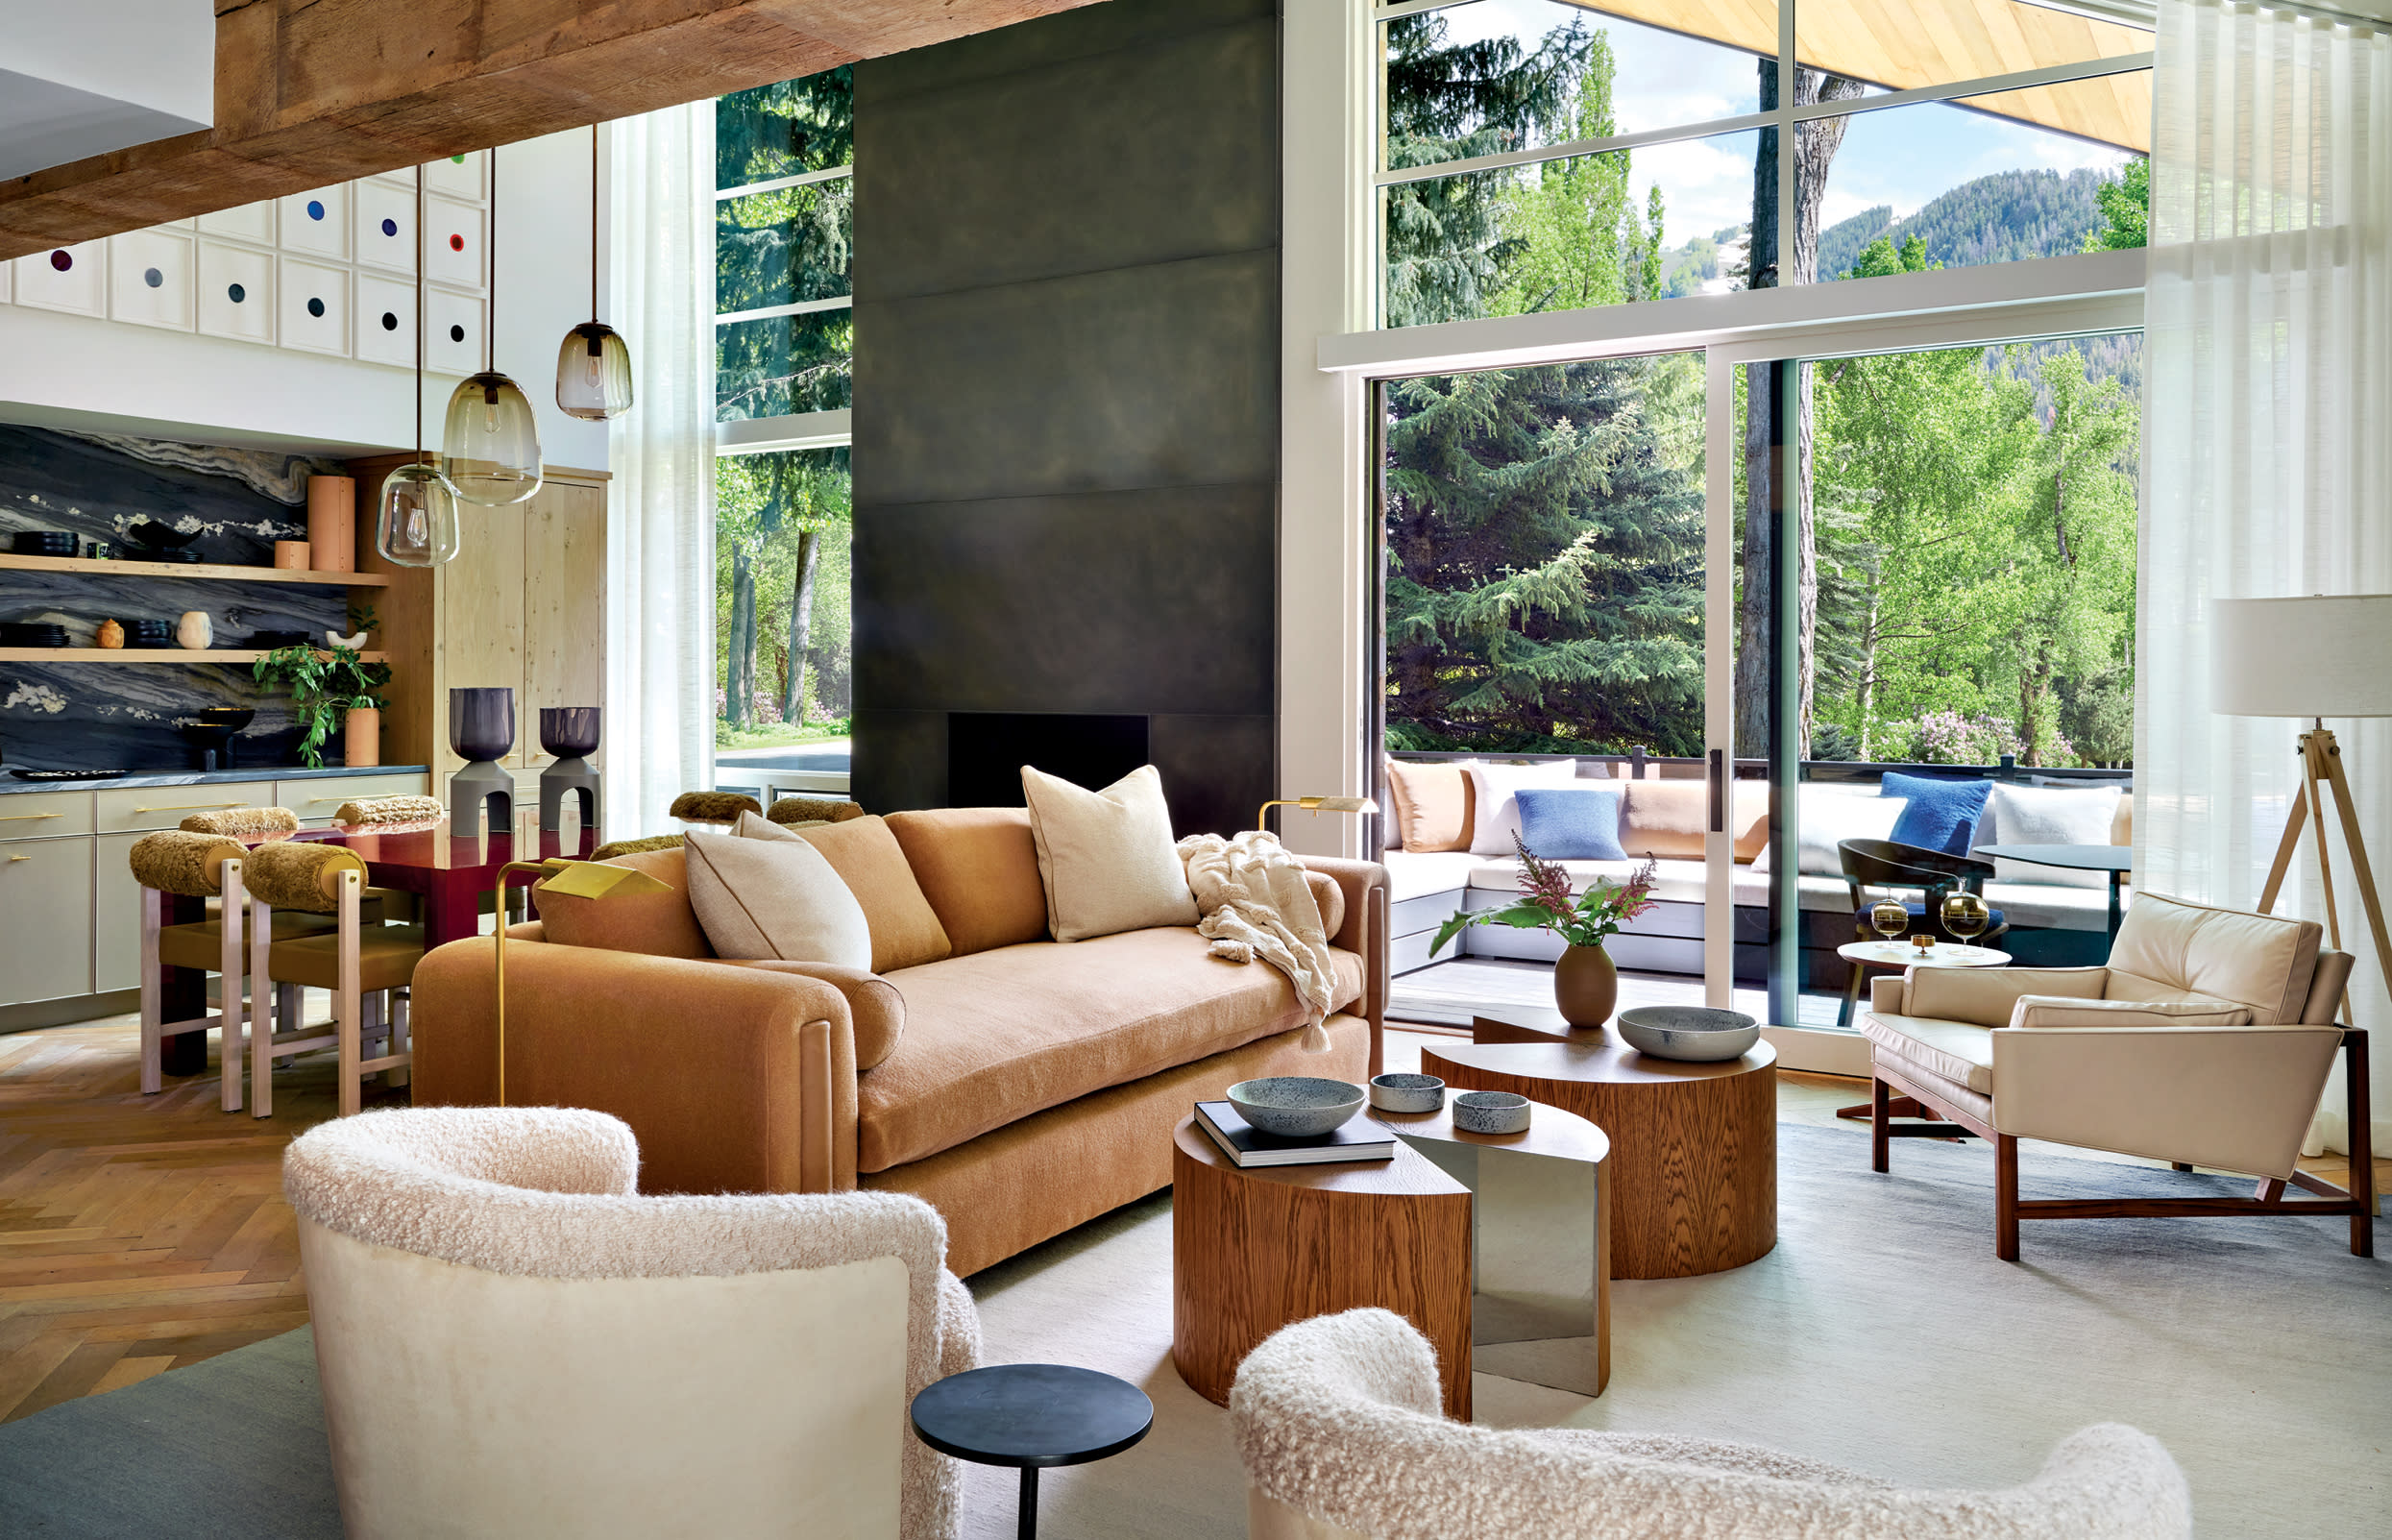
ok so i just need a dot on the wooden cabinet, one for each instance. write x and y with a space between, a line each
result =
116 916
45 894
523 606
135 809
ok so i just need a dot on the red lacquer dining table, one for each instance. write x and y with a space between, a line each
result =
448 874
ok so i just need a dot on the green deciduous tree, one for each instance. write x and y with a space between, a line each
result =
782 526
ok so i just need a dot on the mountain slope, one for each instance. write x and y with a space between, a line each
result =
1999 218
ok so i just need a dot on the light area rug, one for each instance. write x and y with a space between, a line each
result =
1881 1333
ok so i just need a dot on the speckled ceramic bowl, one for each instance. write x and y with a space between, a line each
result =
1407 1094
1296 1107
1695 1033
1490 1112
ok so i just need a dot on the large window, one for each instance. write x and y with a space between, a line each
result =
785 350
1537 155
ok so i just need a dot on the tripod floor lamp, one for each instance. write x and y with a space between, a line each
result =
2326 655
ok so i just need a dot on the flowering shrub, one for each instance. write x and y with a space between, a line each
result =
764 710
1548 903
1948 738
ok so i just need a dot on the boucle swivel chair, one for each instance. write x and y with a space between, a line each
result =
1338 1422
513 1342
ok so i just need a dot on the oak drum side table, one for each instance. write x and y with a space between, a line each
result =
1693 1146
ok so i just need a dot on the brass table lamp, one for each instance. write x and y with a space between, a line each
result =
572 879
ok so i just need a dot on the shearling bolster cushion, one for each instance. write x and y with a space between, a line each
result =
297 876
388 810
174 862
242 821
1337 1417
813 809
632 847
551 1192
712 807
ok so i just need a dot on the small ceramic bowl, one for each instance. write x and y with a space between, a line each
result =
1694 1033
1296 1107
1490 1112
1407 1094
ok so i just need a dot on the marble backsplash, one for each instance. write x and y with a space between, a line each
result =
122 715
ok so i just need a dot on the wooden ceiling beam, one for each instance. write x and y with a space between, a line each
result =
310 92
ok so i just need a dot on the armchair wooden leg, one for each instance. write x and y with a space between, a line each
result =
2362 1140
2180 1165
1880 1123
2006 1197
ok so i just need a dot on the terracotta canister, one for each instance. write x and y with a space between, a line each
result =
332 524
361 737
110 635
1585 985
291 556
195 631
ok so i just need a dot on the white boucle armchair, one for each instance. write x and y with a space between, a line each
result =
2205 1040
512 1341
1339 1424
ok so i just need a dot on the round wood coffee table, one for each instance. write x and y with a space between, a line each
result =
1253 1249
1693 1147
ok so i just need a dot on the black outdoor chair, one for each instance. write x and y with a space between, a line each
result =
1889 864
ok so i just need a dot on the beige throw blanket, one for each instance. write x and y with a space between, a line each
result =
1254 901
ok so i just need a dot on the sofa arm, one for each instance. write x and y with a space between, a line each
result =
1364 933
1884 993
2237 1098
734 1080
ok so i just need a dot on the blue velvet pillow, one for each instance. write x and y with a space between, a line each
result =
1572 822
1942 816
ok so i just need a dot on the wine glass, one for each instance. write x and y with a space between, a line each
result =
1888 919
1965 915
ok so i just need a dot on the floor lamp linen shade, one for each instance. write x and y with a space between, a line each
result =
2326 655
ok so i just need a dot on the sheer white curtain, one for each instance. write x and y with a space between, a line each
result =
2267 435
660 554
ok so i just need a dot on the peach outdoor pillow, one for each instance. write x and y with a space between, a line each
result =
1431 805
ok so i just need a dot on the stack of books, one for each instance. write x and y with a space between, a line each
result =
1247 1145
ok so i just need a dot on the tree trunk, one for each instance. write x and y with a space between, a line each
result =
800 629
1816 143
1868 681
739 688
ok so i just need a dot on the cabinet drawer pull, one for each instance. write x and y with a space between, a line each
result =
14 860
191 807
28 817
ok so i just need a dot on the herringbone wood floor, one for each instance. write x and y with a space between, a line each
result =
137 1233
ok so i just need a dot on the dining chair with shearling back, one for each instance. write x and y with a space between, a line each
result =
352 959
173 864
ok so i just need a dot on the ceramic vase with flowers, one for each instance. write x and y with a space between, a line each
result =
1585 984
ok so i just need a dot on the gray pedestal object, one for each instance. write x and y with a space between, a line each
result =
567 777
469 789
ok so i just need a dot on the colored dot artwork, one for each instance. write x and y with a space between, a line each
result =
154 278
315 308
390 227
236 293
61 260
315 208
390 320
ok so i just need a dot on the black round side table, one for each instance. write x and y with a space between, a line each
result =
1032 1415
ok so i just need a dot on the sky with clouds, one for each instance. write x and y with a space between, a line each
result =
1902 156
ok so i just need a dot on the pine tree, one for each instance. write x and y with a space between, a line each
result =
786 246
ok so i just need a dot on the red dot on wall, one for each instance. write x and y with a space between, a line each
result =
457 243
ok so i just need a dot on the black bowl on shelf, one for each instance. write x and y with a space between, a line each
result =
31 633
43 543
152 536
211 732
268 641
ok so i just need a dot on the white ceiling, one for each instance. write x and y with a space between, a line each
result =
87 78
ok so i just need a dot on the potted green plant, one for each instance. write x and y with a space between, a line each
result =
1586 986
328 684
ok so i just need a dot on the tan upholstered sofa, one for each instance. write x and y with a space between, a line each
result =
1019 1084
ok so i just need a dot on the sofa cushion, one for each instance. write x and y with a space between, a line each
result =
1668 819
655 925
774 899
2044 1010
1989 996
905 929
2168 949
2043 815
994 1037
1495 801
1107 858
1957 1051
1432 805
978 867
1419 874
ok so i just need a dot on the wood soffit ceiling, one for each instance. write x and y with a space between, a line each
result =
310 92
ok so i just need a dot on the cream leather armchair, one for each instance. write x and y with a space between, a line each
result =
2207 1041
513 1342
1339 1421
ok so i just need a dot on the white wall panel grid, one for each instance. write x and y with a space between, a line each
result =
316 223
311 310
73 278
386 323
235 291
385 226
455 252
152 279
250 222
455 326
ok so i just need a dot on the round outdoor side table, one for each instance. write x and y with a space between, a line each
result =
1032 1415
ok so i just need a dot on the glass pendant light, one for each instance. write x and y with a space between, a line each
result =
415 521
594 364
490 447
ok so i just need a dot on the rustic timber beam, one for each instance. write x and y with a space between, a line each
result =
316 91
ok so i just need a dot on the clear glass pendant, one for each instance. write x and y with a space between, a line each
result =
490 450
415 524
594 372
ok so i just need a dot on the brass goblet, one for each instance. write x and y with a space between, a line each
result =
1965 915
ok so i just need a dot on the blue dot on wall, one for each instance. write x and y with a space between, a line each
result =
315 209
236 293
390 320
315 308
390 227
154 278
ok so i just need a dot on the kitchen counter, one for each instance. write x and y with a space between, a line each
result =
247 772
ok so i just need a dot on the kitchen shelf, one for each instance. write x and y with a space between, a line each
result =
146 655
11 561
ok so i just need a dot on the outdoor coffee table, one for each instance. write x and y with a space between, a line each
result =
1692 1184
1031 1415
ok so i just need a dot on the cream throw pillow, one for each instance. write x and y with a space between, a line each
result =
1107 857
774 899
